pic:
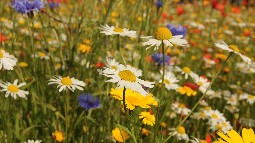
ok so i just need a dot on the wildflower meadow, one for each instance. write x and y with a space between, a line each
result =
132 71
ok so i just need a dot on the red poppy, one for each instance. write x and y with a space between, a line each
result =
208 138
180 10
100 65
247 33
2 38
193 86
236 10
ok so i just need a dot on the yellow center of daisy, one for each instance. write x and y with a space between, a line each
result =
163 33
181 130
235 48
66 81
1 54
118 30
214 116
127 75
251 97
114 67
166 81
13 88
202 115
41 54
182 106
186 70
200 83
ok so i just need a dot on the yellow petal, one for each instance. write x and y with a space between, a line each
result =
248 135
235 137
226 138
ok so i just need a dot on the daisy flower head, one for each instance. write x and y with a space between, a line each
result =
13 89
171 81
7 61
148 118
164 36
232 48
186 71
134 99
232 136
67 82
128 77
180 108
33 141
111 30
112 63
202 82
180 133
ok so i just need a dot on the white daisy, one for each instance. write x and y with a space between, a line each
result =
163 34
215 116
14 89
107 30
232 108
180 108
251 99
7 61
112 64
42 55
232 48
33 141
186 71
198 115
180 133
127 76
202 82
170 81
222 126
67 82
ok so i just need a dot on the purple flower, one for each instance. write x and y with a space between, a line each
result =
159 3
53 4
180 30
27 6
88 101
158 58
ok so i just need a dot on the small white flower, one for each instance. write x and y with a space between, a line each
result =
7 61
232 48
107 30
33 141
112 64
163 34
127 76
67 82
179 132
202 82
14 89
186 71
170 81
180 108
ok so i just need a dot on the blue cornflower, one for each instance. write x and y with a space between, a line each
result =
88 101
53 4
159 3
27 6
180 30
158 58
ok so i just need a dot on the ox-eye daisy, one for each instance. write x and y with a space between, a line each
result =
67 82
232 48
33 141
164 35
107 30
170 81
127 76
7 61
13 89
180 133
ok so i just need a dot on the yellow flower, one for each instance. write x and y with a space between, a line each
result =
120 135
163 124
233 137
186 90
86 41
58 136
221 56
133 99
145 132
148 119
23 64
84 48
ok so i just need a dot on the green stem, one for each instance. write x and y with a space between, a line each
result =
209 87
119 48
67 108
124 96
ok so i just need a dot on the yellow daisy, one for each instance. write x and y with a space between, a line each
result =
148 119
233 137
120 135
